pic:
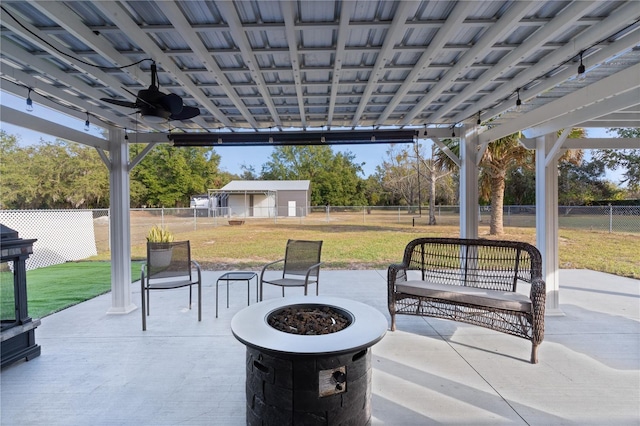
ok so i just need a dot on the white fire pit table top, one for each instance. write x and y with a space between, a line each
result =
367 327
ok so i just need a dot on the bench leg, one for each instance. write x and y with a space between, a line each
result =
534 353
393 322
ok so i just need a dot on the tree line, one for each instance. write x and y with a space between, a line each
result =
61 175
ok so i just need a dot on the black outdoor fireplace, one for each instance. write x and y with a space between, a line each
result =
17 337
300 377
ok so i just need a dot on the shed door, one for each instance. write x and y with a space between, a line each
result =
292 208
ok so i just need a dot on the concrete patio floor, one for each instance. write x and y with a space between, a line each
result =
99 369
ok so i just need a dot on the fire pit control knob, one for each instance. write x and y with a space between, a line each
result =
339 378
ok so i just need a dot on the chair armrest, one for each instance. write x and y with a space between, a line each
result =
264 268
197 266
311 268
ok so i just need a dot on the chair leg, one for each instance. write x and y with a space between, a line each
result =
282 291
142 308
148 302
199 302
534 354
190 296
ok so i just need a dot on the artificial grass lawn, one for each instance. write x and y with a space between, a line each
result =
57 287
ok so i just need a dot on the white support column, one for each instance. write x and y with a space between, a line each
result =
547 217
468 186
120 229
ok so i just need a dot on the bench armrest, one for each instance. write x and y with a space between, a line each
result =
538 297
396 272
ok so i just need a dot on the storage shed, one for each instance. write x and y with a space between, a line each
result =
262 198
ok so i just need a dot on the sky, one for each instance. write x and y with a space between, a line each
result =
231 158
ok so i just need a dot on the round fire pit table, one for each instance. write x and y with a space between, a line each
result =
295 379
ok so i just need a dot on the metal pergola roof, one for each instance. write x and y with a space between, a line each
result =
323 65
319 69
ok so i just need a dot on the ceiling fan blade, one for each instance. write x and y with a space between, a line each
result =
118 102
186 113
130 92
172 103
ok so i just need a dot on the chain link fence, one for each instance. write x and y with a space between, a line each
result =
60 225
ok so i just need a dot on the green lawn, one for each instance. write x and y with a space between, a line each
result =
346 246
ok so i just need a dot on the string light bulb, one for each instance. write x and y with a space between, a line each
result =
518 101
453 131
581 69
479 122
87 124
373 136
29 102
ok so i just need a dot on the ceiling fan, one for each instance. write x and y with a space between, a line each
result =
155 106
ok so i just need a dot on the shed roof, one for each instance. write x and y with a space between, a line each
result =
267 185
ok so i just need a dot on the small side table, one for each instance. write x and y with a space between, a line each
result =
236 276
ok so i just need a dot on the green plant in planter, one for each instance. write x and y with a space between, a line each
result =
159 234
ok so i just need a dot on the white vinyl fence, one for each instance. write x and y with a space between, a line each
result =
63 235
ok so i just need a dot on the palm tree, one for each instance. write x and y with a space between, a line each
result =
498 158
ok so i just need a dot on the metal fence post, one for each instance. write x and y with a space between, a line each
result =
610 218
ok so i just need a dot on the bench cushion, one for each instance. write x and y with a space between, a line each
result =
470 295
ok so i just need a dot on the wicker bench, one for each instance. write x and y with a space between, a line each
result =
471 281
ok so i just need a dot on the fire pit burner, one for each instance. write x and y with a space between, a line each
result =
309 320
308 379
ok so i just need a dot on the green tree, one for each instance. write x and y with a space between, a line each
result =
168 176
57 174
334 176
579 184
374 192
627 159
520 188
16 186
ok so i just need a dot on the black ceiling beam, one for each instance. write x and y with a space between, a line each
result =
293 138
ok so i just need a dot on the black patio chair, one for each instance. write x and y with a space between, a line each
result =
169 266
301 266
